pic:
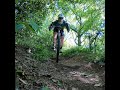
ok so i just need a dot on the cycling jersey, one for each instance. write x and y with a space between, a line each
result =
56 23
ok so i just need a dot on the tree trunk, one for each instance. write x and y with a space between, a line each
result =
79 40
90 47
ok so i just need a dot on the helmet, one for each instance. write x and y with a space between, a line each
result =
61 15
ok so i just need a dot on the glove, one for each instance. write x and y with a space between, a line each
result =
68 31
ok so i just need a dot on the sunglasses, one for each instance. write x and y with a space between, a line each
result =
60 17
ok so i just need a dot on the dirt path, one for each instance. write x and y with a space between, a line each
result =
69 74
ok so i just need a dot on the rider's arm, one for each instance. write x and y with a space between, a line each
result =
51 26
67 27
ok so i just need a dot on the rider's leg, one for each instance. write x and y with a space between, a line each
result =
54 38
62 39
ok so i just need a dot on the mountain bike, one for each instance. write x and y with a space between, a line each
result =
58 43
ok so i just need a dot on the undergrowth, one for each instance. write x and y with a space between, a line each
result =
41 45
85 53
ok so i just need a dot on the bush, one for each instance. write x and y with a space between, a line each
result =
85 53
42 53
40 43
74 51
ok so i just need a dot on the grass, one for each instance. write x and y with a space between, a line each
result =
85 53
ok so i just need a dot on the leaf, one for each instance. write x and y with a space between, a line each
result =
16 1
24 25
45 88
97 85
54 80
22 81
34 25
28 26
19 26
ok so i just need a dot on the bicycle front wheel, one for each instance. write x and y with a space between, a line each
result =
58 47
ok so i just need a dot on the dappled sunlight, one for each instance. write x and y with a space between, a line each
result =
69 40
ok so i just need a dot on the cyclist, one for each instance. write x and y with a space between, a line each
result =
54 25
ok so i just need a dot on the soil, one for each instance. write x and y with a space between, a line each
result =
69 74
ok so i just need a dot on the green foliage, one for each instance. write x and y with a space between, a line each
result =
23 26
41 53
94 57
19 26
25 7
40 43
74 51
87 15
86 53
45 88
59 83
32 18
34 25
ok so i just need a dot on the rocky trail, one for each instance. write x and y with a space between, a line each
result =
69 74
